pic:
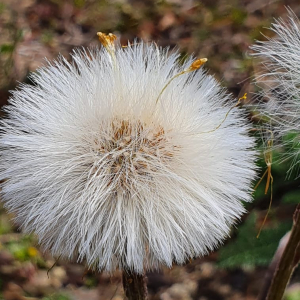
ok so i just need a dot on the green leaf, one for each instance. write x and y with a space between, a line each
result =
247 250
6 48
57 297
292 197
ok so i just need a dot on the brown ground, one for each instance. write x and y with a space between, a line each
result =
221 30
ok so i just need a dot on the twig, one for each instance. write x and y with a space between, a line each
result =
284 264
273 266
135 286
49 270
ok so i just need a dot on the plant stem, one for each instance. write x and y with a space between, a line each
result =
273 266
288 261
135 285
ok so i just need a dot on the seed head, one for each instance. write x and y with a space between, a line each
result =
115 160
280 81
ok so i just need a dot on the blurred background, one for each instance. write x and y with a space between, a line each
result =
222 31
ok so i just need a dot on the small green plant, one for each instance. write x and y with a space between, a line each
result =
247 250
57 297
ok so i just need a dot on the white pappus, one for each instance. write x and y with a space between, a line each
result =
116 160
279 81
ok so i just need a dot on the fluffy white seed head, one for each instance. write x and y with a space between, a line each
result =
106 171
280 80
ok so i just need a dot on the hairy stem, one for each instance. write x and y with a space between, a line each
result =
135 286
287 262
